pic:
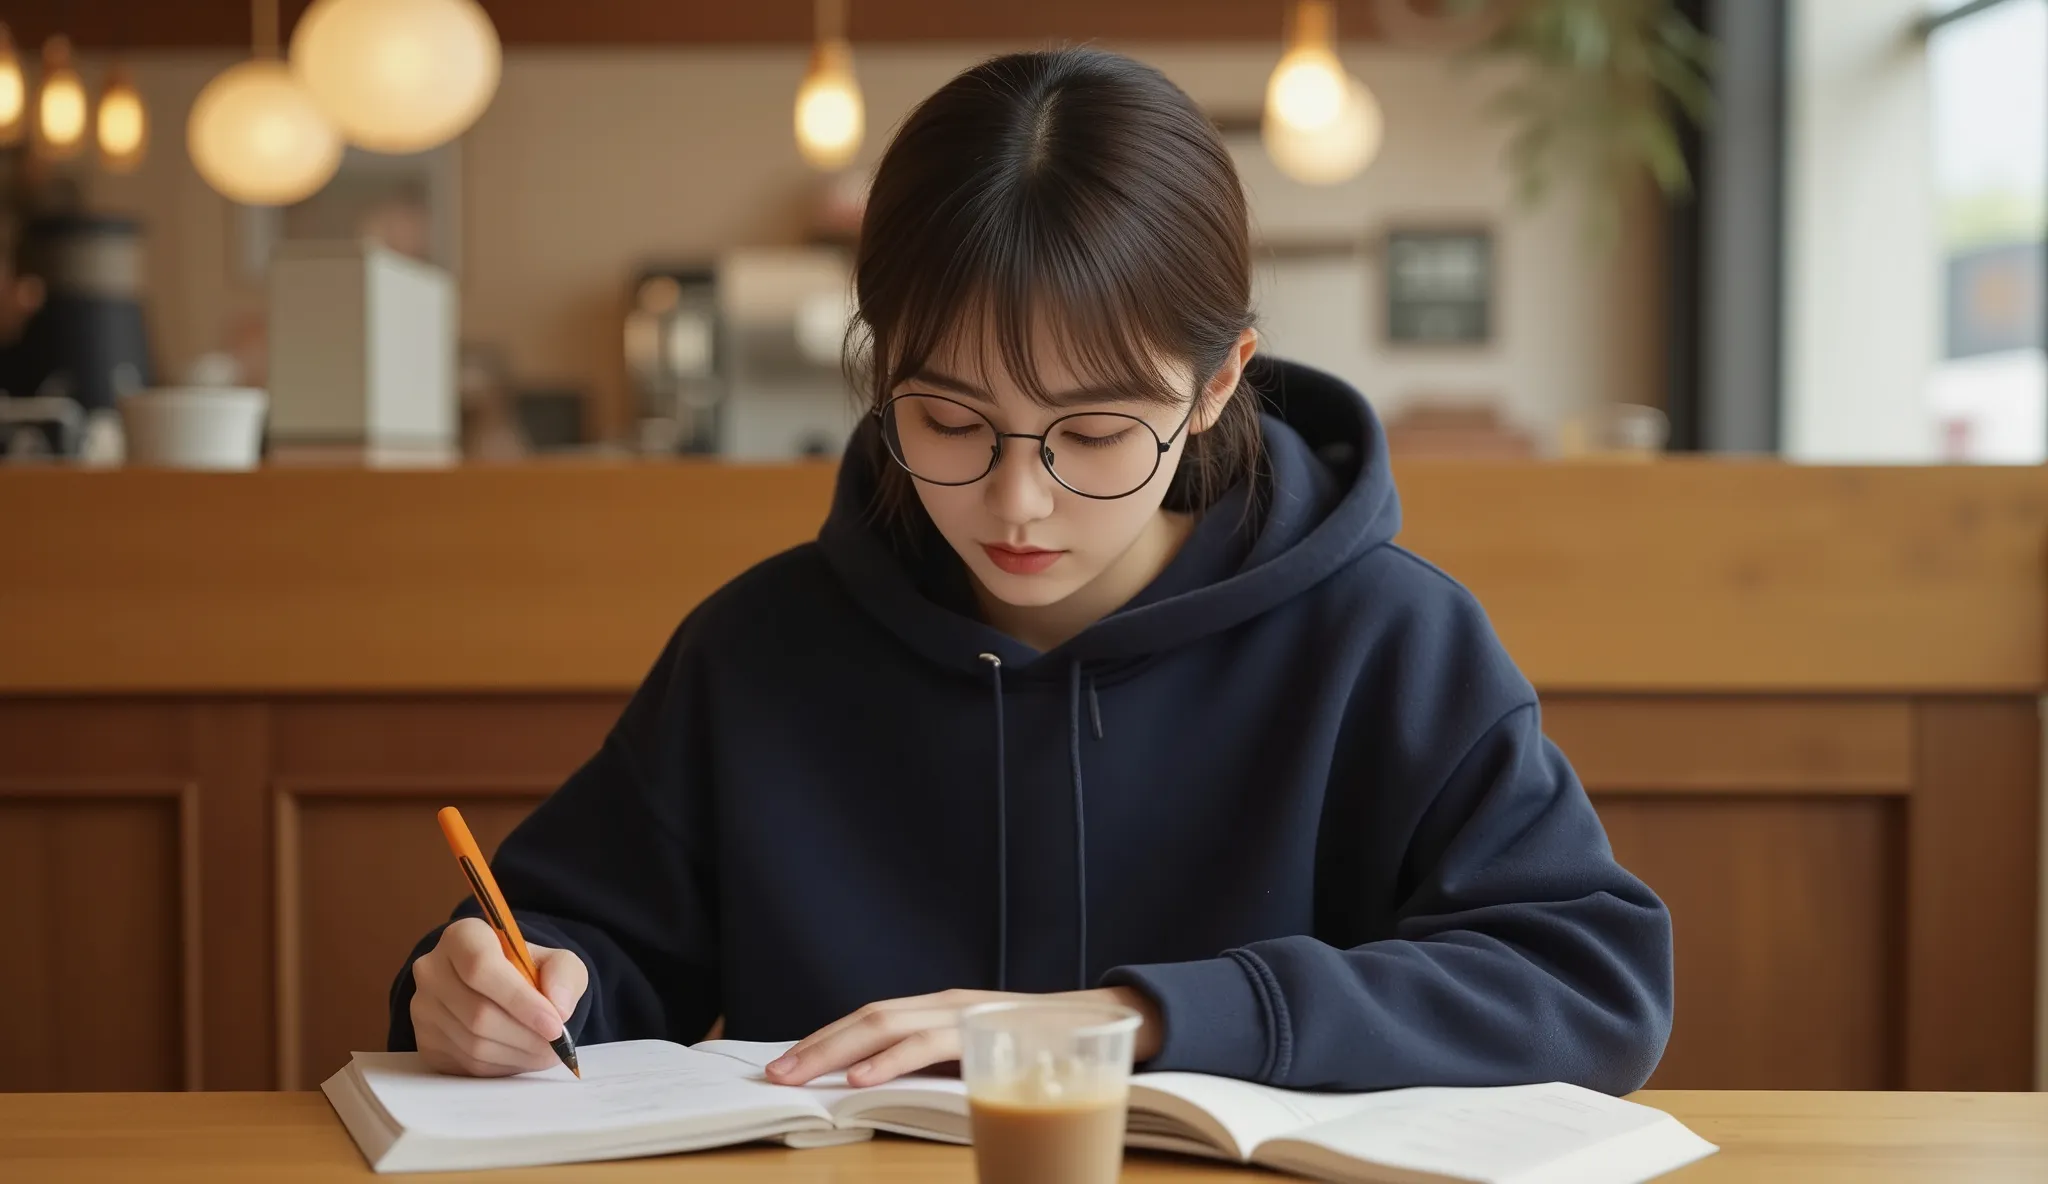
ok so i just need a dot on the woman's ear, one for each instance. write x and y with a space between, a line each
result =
1223 384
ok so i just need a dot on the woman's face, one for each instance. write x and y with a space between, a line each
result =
1028 540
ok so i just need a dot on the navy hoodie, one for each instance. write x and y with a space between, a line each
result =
1295 791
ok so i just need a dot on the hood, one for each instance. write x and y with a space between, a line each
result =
1328 498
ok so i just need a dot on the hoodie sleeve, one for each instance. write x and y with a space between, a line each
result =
616 867
1522 953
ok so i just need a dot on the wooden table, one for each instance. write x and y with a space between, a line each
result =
1765 1137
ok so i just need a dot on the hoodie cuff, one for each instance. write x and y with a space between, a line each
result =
1215 1016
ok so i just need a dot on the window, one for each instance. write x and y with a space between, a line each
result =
1988 94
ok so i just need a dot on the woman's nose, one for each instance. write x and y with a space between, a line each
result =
1021 488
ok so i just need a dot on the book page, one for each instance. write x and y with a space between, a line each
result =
1249 1114
1497 1135
921 1104
625 1085
832 1086
757 1054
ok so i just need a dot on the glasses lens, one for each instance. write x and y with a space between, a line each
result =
1102 454
938 440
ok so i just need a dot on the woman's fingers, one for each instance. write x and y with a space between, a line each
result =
867 1033
833 1029
467 1018
919 1050
563 977
471 1010
877 1028
450 1045
473 954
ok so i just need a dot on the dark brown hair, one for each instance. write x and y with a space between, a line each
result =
1074 191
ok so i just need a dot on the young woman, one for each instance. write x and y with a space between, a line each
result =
1104 676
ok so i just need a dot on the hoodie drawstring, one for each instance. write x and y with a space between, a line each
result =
1080 817
995 670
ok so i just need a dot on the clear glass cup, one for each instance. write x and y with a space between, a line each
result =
1047 1082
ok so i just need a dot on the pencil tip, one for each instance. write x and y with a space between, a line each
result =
577 1072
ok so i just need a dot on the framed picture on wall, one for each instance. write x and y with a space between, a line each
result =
1439 286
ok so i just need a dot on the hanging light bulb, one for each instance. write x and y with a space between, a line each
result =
257 137
61 104
123 124
1320 125
398 75
1307 87
830 116
13 91
255 134
1336 151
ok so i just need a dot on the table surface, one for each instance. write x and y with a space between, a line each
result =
1765 1137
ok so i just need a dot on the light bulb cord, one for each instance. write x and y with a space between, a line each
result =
1315 26
263 26
830 20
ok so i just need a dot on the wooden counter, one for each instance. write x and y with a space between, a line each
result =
1804 699
1765 1138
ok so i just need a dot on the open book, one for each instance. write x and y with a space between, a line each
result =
650 1097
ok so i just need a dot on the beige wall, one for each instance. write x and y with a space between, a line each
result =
589 162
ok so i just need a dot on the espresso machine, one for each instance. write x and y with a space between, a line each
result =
741 355
675 358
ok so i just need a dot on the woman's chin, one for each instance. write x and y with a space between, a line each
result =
1028 591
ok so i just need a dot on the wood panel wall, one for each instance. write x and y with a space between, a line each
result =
216 892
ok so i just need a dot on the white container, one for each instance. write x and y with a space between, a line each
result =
194 427
362 349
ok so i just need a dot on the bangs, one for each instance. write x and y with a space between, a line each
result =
1015 296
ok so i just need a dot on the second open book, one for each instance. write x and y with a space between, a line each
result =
650 1097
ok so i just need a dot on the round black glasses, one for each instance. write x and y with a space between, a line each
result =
1103 455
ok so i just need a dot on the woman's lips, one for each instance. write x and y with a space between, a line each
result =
1021 561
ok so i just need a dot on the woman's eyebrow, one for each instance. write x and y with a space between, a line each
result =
1079 396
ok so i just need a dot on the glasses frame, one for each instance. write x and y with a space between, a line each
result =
995 451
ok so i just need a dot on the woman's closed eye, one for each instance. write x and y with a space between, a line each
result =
1096 439
938 427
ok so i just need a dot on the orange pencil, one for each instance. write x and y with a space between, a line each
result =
497 913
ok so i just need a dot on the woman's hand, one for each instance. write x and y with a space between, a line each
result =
473 1012
885 1040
